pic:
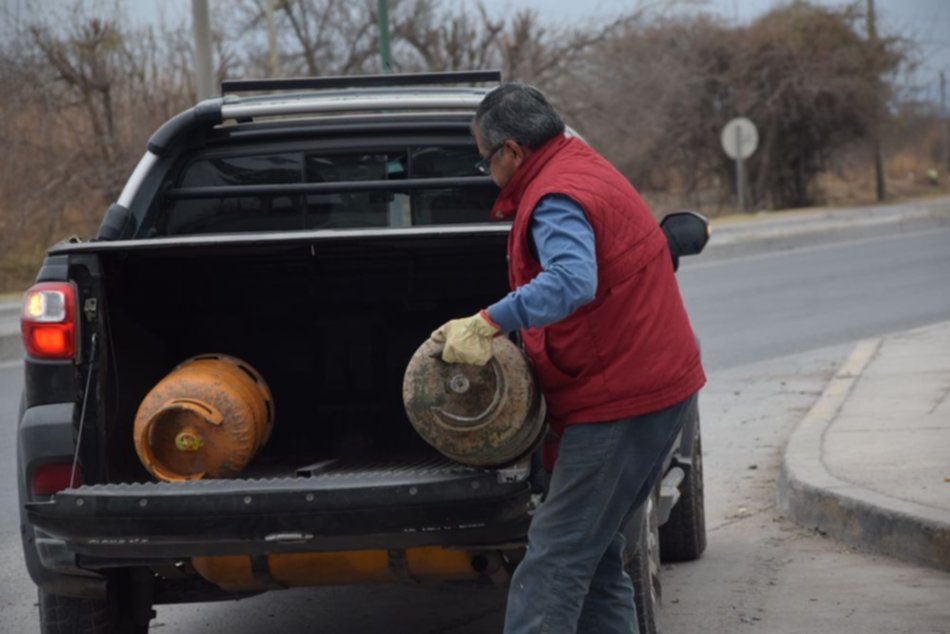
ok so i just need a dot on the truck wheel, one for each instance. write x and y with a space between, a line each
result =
643 566
683 536
114 615
66 614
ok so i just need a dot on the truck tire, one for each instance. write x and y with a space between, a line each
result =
643 566
683 536
69 615
59 615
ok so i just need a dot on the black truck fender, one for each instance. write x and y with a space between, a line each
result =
46 435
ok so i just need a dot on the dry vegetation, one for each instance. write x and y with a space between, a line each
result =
650 89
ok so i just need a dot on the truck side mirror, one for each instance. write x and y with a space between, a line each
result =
687 233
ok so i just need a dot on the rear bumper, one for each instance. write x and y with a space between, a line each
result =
158 521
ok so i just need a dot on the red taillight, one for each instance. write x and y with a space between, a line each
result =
48 321
54 477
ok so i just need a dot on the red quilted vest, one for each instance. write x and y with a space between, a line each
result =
631 350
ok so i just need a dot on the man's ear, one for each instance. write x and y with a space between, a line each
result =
518 151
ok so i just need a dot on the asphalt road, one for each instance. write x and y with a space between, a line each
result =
773 327
17 597
762 306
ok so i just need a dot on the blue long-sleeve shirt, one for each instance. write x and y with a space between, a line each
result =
564 242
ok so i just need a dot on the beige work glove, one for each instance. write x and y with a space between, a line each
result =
467 340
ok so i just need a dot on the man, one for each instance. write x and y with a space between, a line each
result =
602 320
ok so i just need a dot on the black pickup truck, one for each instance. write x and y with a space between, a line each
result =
318 229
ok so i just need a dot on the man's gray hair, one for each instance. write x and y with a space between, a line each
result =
518 112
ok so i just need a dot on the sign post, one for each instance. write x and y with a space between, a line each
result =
739 141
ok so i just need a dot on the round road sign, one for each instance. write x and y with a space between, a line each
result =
740 138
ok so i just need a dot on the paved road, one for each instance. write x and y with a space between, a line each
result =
17 595
774 327
759 307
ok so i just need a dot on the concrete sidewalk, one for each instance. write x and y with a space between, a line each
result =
870 462
765 225
778 231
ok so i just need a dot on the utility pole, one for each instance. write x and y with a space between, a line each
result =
383 11
202 31
881 184
945 147
272 62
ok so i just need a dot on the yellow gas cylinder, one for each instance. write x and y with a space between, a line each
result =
238 573
206 419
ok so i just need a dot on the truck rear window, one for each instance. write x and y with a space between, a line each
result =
275 191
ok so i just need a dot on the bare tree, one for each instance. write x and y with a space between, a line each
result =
428 37
323 37
657 94
815 85
648 89
315 37
83 94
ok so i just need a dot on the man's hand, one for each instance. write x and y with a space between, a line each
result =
467 340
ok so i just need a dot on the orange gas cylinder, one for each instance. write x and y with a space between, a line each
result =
206 419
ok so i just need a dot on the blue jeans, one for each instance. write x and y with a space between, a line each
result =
572 578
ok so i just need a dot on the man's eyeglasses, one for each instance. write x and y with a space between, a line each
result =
484 165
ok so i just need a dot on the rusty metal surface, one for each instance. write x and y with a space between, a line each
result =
480 416
206 419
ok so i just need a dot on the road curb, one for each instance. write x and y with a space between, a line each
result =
771 234
811 496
